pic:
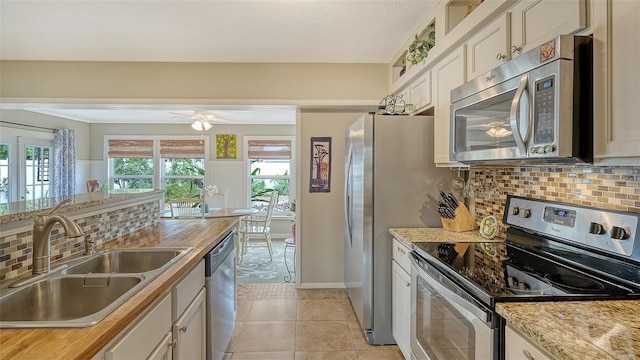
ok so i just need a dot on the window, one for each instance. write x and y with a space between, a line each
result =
174 164
37 168
270 167
131 164
183 167
5 175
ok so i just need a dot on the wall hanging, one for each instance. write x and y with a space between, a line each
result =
320 179
225 146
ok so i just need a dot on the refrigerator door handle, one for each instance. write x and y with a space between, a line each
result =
347 194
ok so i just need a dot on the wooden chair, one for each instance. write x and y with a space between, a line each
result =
186 208
257 227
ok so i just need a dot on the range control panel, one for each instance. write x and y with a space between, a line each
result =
603 229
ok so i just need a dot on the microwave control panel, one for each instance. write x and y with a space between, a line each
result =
544 115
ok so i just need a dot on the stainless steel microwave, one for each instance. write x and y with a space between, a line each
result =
534 108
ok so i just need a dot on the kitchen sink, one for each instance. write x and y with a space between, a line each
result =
82 291
125 261
67 301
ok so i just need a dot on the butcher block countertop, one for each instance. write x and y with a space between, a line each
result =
579 330
84 343
411 235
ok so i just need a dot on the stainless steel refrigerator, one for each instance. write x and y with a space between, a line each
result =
390 181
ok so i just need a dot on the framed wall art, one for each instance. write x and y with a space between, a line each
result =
320 179
225 146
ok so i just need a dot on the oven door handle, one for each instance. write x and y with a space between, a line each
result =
514 115
477 310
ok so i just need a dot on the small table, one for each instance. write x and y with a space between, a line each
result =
289 242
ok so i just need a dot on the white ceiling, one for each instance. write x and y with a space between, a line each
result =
308 31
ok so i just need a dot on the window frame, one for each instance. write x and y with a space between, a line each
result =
158 177
292 170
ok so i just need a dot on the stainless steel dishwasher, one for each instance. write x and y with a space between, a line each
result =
220 282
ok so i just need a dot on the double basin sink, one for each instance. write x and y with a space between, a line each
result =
84 290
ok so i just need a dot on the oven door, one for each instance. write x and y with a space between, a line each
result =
493 124
445 325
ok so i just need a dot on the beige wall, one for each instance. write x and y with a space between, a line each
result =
35 119
321 223
194 82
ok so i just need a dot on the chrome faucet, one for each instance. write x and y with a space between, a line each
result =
42 225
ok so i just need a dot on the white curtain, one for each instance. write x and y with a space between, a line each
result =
64 154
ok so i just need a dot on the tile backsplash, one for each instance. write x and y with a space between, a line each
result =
606 187
16 249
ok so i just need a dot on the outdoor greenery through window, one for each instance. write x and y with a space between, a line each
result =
5 195
270 169
181 170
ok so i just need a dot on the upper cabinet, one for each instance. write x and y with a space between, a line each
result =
616 82
488 48
534 22
448 74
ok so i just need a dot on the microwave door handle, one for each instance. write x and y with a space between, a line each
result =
514 115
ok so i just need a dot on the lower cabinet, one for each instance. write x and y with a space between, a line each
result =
174 328
146 337
401 298
190 330
517 347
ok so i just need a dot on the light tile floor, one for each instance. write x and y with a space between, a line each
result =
280 322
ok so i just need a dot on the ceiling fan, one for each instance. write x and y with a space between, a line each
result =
203 119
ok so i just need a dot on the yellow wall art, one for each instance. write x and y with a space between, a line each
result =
225 146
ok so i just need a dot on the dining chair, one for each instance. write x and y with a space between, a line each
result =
257 228
186 208
219 200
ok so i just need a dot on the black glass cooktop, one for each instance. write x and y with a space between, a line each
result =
517 271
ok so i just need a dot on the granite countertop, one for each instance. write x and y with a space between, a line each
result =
579 330
22 210
84 343
411 235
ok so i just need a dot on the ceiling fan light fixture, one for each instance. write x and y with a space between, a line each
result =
201 125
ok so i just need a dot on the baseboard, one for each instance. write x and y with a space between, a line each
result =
322 285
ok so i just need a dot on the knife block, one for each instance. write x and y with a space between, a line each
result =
462 222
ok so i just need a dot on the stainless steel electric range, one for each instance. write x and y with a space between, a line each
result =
553 252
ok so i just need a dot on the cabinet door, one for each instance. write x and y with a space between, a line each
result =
616 82
163 350
448 74
488 48
190 330
517 347
142 339
421 91
401 307
534 22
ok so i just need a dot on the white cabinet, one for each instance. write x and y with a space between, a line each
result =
488 48
163 349
517 347
616 82
421 91
190 330
448 74
189 316
534 22
401 298
146 336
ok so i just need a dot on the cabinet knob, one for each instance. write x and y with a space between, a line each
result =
516 49
527 354
183 328
173 343
501 56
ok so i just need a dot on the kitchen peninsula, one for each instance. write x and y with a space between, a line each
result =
85 343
